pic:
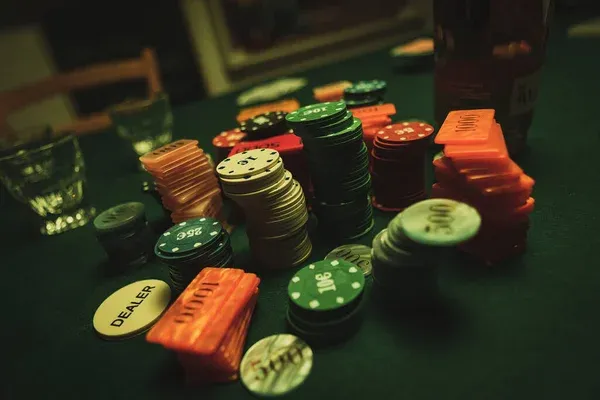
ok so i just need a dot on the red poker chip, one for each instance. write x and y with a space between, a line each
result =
398 165
287 143
228 139
405 132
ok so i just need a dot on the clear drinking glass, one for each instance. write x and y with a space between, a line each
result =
49 176
148 124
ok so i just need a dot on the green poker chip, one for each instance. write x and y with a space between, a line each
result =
316 112
189 246
338 162
189 236
326 285
440 222
373 87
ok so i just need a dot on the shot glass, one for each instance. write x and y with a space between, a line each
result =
49 176
147 124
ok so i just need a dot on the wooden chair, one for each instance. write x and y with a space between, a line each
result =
97 75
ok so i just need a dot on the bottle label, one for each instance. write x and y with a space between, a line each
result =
524 93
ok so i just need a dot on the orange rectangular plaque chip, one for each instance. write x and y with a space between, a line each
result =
493 148
167 152
286 105
200 318
374 111
464 127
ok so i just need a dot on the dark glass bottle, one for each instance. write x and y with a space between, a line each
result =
489 54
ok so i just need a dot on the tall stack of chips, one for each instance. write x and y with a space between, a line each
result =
402 257
124 233
365 93
325 301
331 92
185 179
192 245
373 118
475 168
225 141
339 165
398 165
273 203
289 147
208 323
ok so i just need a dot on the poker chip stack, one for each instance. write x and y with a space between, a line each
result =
125 235
365 93
475 168
398 165
208 323
192 245
331 92
274 206
338 161
325 301
185 179
404 257
225 141
373 118
289 147
264 125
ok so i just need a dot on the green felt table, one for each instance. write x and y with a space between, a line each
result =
526 329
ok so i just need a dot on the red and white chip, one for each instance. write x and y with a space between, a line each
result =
405 132
228 139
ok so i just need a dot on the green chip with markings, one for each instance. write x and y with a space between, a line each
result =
366 87
326 285
316 112
189 236
440 222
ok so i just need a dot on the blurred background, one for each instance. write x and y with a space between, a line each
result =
204 47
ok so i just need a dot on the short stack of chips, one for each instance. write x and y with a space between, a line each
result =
185 179
325 301
225 141
285 105
265 125
365 93
274 206
289 147
403 257
339 165
208 323
190 246
373 118
125 235
398 165
331 92
475 168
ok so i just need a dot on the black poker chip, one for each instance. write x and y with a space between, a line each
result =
265 125
125 235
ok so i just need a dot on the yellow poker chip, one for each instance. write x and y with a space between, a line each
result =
131 310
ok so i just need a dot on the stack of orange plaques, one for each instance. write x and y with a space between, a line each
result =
185 180
331 92
475 168
289 147
225 141
208 323
286 105
373 118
